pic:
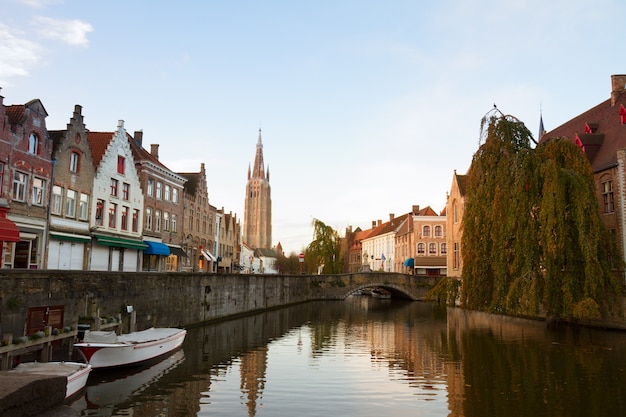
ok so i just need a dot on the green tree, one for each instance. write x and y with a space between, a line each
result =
325 249
532 235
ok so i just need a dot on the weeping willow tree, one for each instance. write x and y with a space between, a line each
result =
325 249
533 239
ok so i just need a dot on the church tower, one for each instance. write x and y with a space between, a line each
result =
257 228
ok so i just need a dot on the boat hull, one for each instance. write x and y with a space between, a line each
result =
76 373
131 349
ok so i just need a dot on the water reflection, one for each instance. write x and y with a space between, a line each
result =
370 357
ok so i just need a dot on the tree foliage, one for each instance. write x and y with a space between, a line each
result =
325 249
532 238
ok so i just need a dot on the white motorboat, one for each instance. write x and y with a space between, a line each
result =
75 372
104 349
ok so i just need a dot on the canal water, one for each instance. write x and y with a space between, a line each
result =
371 357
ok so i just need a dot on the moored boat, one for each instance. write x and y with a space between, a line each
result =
75 372
107 349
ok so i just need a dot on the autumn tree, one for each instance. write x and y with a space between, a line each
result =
325 249
532 238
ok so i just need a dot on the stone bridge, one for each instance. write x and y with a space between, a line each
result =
405 286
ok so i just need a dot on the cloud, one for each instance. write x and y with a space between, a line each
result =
17 55
73 32
38 4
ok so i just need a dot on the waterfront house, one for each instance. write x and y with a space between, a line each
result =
25 175
70 204
163 208
429 229
455 207
117 204
600 133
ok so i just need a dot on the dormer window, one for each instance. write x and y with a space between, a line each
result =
33 143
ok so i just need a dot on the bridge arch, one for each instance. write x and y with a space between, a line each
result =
396 291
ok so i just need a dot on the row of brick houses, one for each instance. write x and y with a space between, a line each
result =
77 199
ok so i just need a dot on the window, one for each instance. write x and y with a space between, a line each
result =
114 185
157 221
607 194
457 259
112 215
74 162
438 231
120 164
39 187
83 206
99 212
1 177
426 231
432 248
421 249
70 203
125 191
455 213
19 186
166 197
135 225
166 221
148 218
190 220
159 190
444 249
33 143
124 222
57 200
150 190
173 222
175 195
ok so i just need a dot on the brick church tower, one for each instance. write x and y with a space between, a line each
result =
257 228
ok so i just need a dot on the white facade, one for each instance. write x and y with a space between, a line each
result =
380 251
117 208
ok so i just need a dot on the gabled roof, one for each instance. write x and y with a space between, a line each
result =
16 114
268 253
599 131
461 181
427 211
99 142
141 154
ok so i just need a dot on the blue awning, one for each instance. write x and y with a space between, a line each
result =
410 262
156 248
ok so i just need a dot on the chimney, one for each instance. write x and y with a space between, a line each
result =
379 222
138 137
154 150
391 217
373 224
416 209
618 83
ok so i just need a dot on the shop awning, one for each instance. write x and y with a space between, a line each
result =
70 237
120 242
176 250
409 262
208 256
156 248
8 231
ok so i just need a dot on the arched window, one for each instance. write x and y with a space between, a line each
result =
33 143
432 248
438 231
426 231
421 249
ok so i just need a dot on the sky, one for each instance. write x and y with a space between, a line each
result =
366 107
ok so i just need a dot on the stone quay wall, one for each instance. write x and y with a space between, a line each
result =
146 299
